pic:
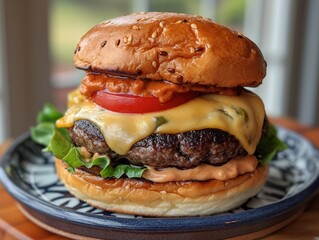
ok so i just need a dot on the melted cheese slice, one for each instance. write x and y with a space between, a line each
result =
229 170
241 116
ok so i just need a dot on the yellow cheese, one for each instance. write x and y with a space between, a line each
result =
202 172
241 116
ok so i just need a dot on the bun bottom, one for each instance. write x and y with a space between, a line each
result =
139 197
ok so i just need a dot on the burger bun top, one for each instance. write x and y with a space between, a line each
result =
179 48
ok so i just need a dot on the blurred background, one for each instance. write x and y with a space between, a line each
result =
38 38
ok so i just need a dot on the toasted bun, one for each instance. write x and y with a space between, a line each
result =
179 48
133 196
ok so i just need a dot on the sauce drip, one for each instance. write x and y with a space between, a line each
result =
203 172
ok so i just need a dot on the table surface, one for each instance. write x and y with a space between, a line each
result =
14 225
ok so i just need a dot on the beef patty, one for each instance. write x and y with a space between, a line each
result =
182 150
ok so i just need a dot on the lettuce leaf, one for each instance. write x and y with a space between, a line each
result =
58 141
269 146
129 170
62 147
42 133
49 113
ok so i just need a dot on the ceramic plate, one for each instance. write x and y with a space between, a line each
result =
28 174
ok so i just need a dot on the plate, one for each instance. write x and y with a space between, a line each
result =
29 176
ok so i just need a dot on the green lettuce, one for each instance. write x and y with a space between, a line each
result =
42 133
58 141
269 145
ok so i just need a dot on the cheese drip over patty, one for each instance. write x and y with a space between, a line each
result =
241 116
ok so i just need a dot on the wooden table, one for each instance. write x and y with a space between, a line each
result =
14 225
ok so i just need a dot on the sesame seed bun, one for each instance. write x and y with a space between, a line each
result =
135 196
178 48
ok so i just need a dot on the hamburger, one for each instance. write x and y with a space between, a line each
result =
162 124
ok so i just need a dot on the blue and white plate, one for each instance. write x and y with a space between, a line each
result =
29 176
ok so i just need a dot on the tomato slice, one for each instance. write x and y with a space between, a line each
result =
126 103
